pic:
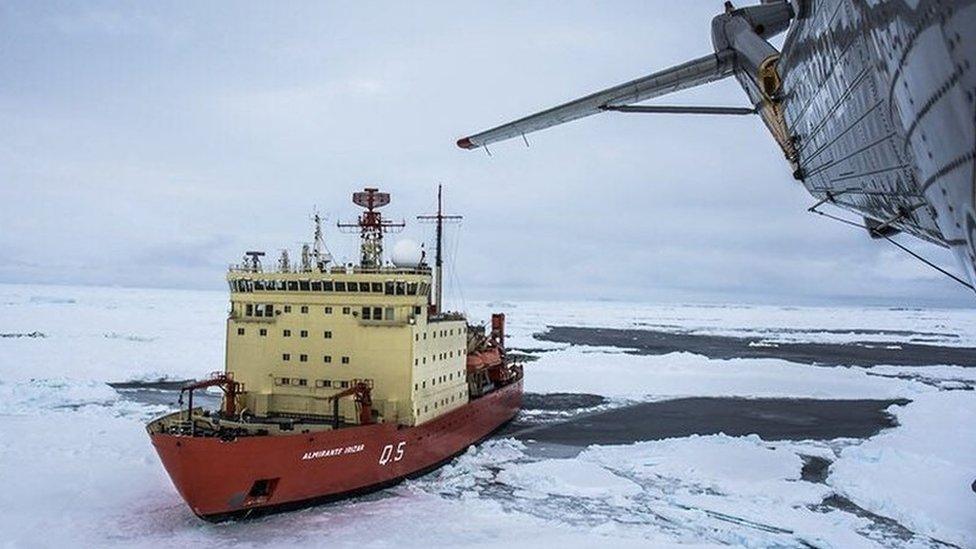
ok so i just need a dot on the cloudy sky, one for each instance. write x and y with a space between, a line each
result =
149 144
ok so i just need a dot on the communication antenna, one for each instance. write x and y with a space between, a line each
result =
306 258
320 253
371 226
284 265
439 218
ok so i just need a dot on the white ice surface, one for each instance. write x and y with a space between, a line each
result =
110 334
920 473
614 373
946 327
78 469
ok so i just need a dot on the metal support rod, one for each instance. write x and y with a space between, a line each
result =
439 258
813 209
189 415
666 109
886 223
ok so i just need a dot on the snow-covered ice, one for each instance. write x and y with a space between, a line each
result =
78 468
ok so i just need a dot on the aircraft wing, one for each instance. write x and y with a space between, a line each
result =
679 77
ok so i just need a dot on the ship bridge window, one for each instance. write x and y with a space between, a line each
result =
316 285
303 285
327 286
367 313
364 286
388 287
401 288
377 287
423 288
389 313
292 285
377 313
259 285
352 287
269 310
411 288
249 309
340 286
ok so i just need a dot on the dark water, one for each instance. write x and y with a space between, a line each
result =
770 418
860 353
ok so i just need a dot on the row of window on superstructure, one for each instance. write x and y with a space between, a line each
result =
417 361
286 357
319 383
442 402
433 333
390 287
327 334
433 381
265 310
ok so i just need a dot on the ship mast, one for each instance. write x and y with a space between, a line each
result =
371 226
320 252
439 218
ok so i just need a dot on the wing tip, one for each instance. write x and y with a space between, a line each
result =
465 143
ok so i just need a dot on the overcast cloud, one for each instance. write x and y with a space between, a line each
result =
149 144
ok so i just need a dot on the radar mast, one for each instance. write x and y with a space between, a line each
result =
371 226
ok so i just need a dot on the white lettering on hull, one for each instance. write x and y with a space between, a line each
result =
332 452
388 454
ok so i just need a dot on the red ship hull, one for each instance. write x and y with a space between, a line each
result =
226 479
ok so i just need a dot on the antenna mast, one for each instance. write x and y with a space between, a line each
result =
371 226
320 252
439 218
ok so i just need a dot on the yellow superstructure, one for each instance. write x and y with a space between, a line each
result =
294 339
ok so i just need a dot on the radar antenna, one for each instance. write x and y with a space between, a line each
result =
439 218
252 261
371 226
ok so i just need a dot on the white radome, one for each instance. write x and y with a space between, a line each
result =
407 253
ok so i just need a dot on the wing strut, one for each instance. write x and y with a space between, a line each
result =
679 77
691 109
